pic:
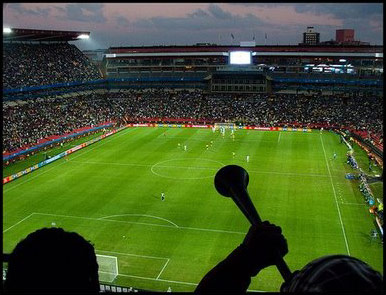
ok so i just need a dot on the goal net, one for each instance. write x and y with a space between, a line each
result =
108 268
218 126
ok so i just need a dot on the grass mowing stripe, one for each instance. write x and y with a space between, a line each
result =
302 205
76 156
336 201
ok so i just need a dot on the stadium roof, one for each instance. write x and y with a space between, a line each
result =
34 35
260 48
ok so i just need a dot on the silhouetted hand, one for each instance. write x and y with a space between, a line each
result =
260 248
263 244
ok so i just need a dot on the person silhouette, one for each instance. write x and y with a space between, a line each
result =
332 274
51 261
258 250
337 274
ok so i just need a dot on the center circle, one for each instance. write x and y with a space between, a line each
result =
187 168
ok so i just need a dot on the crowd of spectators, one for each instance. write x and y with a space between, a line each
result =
35 119
26 65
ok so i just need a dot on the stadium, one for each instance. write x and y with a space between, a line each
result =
124 152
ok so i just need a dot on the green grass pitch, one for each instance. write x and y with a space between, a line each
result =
110 193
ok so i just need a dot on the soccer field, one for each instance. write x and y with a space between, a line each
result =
110 193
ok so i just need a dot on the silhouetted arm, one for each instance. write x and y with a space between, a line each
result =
258 250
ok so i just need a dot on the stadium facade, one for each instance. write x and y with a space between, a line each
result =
210 67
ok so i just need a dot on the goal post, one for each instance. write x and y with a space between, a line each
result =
231 126
108 268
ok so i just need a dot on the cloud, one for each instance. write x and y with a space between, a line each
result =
61 9
198 13
85 12
26 11
217 12
342 10
122 21
215 19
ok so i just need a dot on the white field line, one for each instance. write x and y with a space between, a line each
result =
143 223
145 256
128 254
170 281
144 215
201 168
278 139
166 263
336 201
153 279
25 218
74 157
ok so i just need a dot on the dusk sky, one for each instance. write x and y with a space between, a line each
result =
136 24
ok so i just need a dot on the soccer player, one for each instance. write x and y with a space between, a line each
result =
61 144
185 148
162 197
213 129
233 154
334 155
53 224
247 159
211 142
169 290
179 145
373 233
321 130
207 146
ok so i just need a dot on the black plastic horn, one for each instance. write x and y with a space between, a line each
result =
231 181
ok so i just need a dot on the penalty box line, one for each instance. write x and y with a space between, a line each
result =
141 256
143 223
105 251
12 226
145 256
171 281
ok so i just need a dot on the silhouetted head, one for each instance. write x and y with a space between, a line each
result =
338 274
51 260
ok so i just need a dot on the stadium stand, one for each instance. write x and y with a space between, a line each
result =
44 64
30 121
39 115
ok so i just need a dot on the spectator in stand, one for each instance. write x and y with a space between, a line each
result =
27 65
34 119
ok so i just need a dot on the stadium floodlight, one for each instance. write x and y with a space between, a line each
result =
7 30
342 60
83 36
